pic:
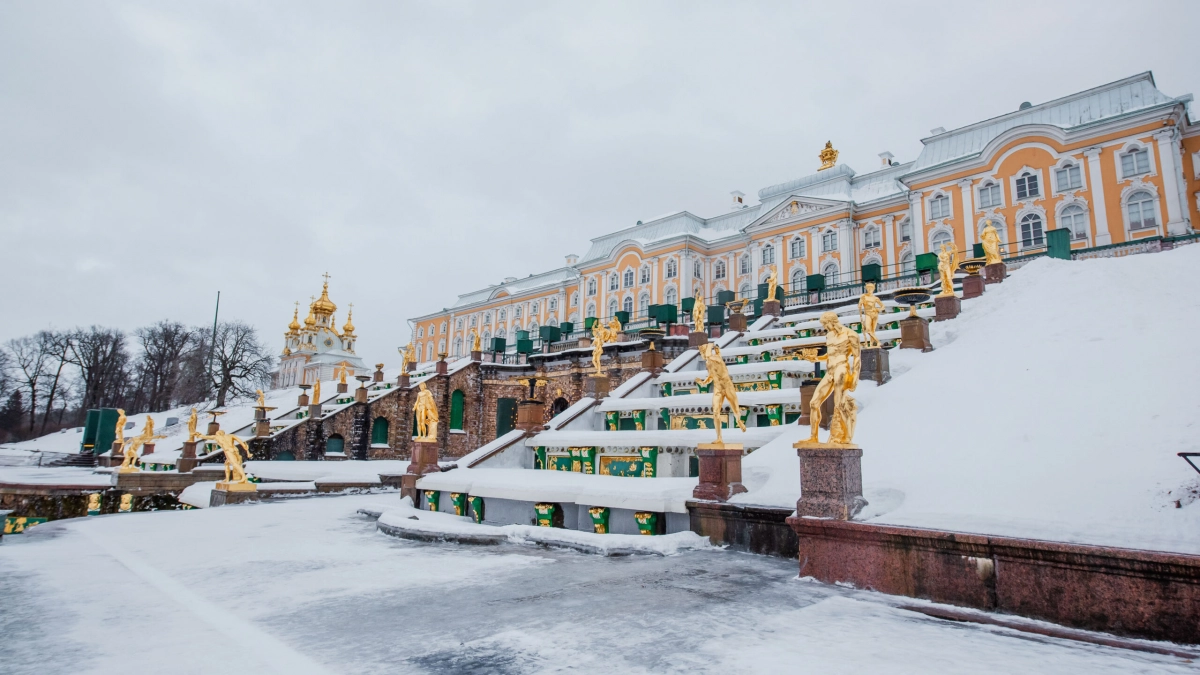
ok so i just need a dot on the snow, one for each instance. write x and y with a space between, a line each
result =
501 442
752 437
310 586
354 471
1052 408
745 399
658 494
63 475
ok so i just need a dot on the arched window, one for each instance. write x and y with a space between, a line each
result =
942 237
458 346
939 207
1031 230
719 269
989 194
591 309
796 248
533 328
533 309
799 283
672 296
421 331
830 270
905 230
487 318
379 431
643 305
672 269
628 304
612 308
907 263
1135 163
744 291
871 237
474 321
429 352
768 255
553 305
1074 219
697 270
574 299
1027 185
456 409
501 315
644 277
1141 210
627 279
501 333
1068 177
517 312
487 335
591 286
441 346
744 265
459 324
335 445
613 281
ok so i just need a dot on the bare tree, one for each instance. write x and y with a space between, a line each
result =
57 346
159 366
240 362
103 364
29 359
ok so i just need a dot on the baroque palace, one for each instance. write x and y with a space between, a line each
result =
1111 165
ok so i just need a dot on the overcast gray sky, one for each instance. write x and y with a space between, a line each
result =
152 153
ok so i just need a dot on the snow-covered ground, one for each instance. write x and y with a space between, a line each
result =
309 586
1052 408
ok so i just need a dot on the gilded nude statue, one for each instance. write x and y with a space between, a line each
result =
869 307
426 414
841 378
723 390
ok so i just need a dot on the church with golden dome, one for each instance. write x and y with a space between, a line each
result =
315 349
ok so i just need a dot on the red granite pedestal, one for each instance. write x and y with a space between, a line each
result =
720 471
441 367
652 360
596 386
476 356
187 459
360 395
876 365
262 428
531 416
995 273
972 286
947 307
315 410
424 461
302 400
697 338
914 334
830 481
771 308
402 380
737 322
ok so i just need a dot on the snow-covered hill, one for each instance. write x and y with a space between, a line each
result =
1052 408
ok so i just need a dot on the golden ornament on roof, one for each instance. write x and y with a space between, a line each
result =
294 326
828 156
348 329
324 305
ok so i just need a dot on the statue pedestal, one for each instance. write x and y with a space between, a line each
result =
875 365
442 368
236 487
377 376
187 459
806 394
994 274
947 307
972 286
830 480
585 341
221 496
596 386
652 360
342 388
411 366
531 415
260 413
302 400
737 322
772 308
914 334
314 410
476 356
402 380
720 471
697 338
213 427
128 469
360 395
262 428
424 458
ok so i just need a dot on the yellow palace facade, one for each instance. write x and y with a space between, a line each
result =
1112 165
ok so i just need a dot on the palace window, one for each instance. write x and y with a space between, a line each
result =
871 237
744 291
591 309
474 319
768 255
628 280
1141 211
744 265
501 315
644 277
697 270
831 273
533 328
672 296
612 307
1135 163
905 230
1027 185
1068 177
443 328
798 281
613 281
629 304
719 270
907 263
989 195
458 324
672 269
457 346
421 332
487 318
1031 230
1074 219
553 305
517 312
574 299
939 207
940 238
643 305
796 248
829 241
591 287
533 309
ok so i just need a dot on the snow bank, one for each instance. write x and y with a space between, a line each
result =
63 475
350 470
641 494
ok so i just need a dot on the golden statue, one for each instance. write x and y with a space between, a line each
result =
126 503
316 397
699 314
425 411
869 308
476 343
119 433
723 390
602 335
947 263
93 502
131 448
772 283
192 435
408 355
840 379
991 243
262 399
828 156
235 473
345 368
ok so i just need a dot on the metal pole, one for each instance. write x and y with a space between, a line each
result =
212 345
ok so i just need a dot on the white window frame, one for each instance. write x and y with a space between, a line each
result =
670 291
627 305
989 183
799 279
627 278
837 271
614 281
672 269
768 254
829 241
697 270
798 248
744 264
719 270
644 274
872 237
1022 173
943 200
1128 194
1021 217
904 228
1062 214
591 286
1131 147
591 309
1066 164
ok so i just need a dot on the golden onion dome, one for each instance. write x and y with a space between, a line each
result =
310 320
323 305
295 324
348 329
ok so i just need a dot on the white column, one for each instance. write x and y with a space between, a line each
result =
1172 175
1096 187
755 252
849 248
602 305
888 244
917 218
814 242
686 275
968 205
655 280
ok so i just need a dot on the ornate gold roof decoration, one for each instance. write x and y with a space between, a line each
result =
324 305
348 329
310 320
294 326
828 156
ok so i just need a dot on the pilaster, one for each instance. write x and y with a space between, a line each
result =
1096 188
1172 175
968 206
917 218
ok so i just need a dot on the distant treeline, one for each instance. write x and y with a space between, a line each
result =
50 379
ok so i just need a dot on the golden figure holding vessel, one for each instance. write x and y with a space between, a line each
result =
869 307
947 264
990 238
772 283
236 479
191 427
723 389
602 335
841 377
131 448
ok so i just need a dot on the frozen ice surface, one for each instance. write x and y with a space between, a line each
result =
309 586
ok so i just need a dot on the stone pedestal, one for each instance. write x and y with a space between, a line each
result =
360 395
947 307
262 428
402 380
314 410
302 400
343 387
260 414
720 471
377 376
585 341
410 367
187 459
408 488
652 360
830 481
737 322
914 334
224 497
531 416
806 394
771 308
424 460
972 286
697 338
442 368
994 274
876 365
596 386
147 449
213 427
476 356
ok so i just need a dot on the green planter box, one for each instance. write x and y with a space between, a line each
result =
977 251
524 346
566 328
549 333
687 305
814 282
623 317
665 313
522 335
716 313
1058 243
589 322
498 344
927 262
872 272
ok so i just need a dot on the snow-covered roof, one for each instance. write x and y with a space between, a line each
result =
673 225
529 283
1130 95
